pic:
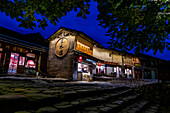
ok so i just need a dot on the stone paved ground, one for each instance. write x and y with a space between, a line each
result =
36 95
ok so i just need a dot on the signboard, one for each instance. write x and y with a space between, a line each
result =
61 47
84 48
110 63
137 64
30 55
16 49
128 65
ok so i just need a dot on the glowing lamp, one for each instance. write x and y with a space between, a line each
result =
80 58
99 64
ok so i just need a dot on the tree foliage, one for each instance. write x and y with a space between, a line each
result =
136 24
28 12
141 25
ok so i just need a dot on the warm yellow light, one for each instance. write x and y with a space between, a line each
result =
83 45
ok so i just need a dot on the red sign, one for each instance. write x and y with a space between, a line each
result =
80 58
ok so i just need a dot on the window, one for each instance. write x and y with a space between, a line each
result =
13 63
0 56
31 55
30 64
21 61
110 54
1 49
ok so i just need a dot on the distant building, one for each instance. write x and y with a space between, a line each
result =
22 53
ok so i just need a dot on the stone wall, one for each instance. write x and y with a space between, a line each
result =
61 67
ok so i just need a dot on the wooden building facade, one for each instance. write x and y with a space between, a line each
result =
22 53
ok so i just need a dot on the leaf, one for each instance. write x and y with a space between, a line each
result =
79 14
75 9
84 16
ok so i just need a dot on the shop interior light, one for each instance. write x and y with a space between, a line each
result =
1 49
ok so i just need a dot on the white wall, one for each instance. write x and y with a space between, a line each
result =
109 69
102 54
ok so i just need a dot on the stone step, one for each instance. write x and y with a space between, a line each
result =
83 93
153 107
80 103
136 107
112 105
43 99
8 103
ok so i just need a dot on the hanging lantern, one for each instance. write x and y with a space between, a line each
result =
80 58
99 64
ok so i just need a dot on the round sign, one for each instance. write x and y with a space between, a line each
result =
61 47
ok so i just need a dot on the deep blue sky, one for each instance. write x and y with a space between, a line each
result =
89 26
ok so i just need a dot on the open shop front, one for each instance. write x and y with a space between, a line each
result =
31 64
128 71
22 64
112 69
84 69
100 68
18 60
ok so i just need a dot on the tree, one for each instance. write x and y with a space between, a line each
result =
141 25
36 12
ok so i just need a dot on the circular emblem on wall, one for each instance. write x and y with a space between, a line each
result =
61 47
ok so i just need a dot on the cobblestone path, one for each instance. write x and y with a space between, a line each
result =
38 96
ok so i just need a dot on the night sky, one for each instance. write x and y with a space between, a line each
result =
89 26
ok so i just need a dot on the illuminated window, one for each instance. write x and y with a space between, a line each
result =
31 55
79 67
110 54
13 63
15 48
1 49
115 69
7 46
30 64
0 55
21 61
